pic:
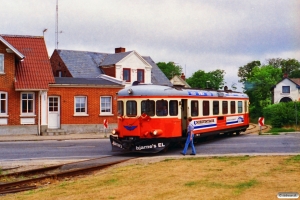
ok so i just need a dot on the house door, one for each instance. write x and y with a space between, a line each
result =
53 112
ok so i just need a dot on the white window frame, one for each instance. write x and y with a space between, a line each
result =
2 64
28 100
106 106
5 103
85 106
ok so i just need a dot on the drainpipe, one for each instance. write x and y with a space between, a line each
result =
39 113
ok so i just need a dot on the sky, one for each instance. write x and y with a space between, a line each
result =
195 34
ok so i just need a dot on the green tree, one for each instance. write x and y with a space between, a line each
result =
201 79
169 69
262 79
289 66
245 72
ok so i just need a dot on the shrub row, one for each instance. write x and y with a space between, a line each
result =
282 114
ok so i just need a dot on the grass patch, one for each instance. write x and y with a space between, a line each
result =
240 187
280 130
168 159
294 159
191 183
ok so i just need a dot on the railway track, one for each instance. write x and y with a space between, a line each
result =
255 129
35 178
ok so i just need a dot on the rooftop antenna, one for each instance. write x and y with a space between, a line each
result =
56 26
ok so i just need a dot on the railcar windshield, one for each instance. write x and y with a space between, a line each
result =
131 108
120 108
161 108
148 107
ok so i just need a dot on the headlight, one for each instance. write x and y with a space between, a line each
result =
115 132
156 132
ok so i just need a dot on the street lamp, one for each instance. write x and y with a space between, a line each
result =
207 83
44 31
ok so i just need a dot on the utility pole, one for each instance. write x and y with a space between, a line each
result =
56 26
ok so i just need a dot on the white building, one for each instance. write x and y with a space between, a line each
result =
286 90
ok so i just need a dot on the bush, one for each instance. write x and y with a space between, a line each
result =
282 114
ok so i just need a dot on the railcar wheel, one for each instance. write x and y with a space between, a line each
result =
238 132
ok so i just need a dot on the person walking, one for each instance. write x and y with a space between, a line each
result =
190 138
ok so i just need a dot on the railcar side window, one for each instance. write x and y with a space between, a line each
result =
148 107
225 107
215 107
131 108
120 108
194 108
232 107
205 108
173 105
240 106
161 108
246 106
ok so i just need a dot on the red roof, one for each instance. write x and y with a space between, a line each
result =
34 72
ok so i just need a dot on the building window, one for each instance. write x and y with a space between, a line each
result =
80 105
105 107
126 75
27 100
1 63
58 73
285 89
3 103
140 76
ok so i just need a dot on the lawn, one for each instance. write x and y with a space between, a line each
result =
238 177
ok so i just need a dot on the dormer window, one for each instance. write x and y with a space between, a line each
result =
140 75
2 63
126 74
285 89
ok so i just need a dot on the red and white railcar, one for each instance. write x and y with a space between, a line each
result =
151 117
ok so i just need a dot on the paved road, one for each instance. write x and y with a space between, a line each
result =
248 144
88 148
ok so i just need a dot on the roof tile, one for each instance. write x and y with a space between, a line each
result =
34 72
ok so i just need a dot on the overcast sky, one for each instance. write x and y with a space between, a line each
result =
196 34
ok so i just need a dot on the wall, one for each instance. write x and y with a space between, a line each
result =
58 65
84 124
134 62
278 95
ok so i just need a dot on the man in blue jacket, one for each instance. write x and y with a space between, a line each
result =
189 139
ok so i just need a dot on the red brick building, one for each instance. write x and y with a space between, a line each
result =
73 93
25 75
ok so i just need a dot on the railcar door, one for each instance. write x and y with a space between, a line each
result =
184 110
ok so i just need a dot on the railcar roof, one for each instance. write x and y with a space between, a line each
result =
160 90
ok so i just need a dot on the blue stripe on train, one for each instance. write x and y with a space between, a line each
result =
205 126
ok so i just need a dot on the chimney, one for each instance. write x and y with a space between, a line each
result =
285 75
183 76
120 50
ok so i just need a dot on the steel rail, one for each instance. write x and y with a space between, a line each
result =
23 185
